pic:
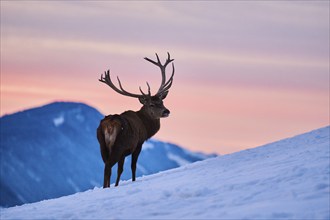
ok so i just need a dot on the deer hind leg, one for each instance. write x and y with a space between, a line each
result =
107 175
120 169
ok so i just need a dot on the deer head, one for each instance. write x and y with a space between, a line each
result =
152 104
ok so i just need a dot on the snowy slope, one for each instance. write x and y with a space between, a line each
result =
52 151
288 179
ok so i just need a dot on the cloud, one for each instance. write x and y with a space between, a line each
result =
256 33
259 63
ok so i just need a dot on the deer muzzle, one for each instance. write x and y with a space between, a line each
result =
166 113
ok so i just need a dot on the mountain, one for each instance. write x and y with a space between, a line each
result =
288 179
52 151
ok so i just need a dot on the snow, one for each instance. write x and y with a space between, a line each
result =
58 120
288 179
147 146
177 159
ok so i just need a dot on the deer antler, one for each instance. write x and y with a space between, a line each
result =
164 85
107 80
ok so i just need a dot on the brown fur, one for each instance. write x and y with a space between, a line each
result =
124 134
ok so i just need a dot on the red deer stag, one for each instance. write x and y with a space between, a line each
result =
124 134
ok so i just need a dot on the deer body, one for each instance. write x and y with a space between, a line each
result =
124 134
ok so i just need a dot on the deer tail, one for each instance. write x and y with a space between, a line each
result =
110 127
103 147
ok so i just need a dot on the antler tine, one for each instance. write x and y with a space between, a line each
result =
149 93
168 59
151 61
158 60
107 80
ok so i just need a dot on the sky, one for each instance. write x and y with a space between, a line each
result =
246 72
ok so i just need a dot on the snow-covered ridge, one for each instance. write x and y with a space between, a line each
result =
288 179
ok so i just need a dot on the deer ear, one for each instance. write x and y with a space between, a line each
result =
163 95
143 100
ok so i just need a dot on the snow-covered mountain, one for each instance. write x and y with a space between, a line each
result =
288 179
52 151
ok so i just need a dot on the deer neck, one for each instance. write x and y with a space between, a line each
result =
151 125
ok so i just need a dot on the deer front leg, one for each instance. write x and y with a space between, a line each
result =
120 169
135 156
107 175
